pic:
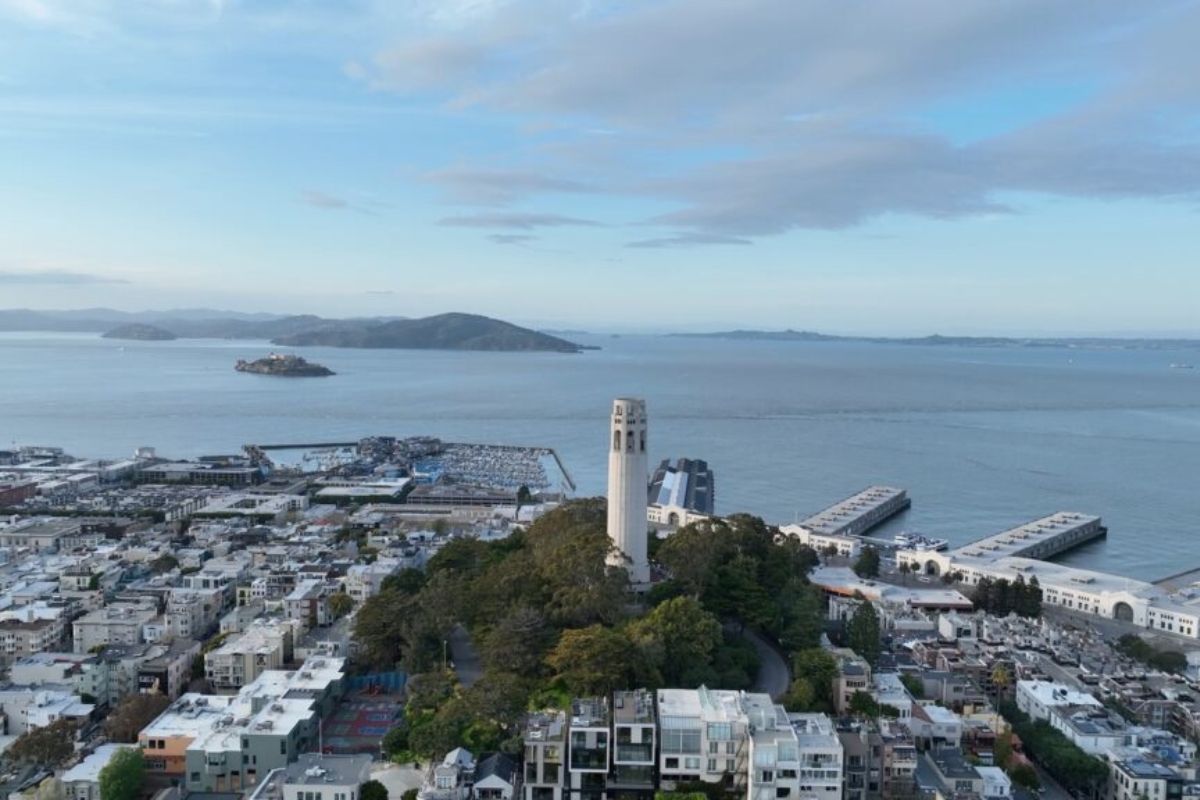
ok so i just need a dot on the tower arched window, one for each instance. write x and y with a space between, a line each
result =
617 441
629 442
642 440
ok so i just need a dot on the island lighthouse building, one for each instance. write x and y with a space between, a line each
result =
628 470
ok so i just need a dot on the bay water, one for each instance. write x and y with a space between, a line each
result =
982 438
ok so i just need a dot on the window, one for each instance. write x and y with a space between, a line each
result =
691 763
672 763
712 765
283 752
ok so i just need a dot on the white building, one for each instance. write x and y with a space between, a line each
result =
329 777
1037 699
846 546
116 624
82 781
821 757
628 474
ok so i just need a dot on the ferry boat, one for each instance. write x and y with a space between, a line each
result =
915 541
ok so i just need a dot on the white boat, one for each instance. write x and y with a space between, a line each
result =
915 541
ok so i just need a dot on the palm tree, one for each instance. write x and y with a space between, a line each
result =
1001 679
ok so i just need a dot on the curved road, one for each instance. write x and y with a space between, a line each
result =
774 678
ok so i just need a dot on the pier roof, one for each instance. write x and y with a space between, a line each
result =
1017 541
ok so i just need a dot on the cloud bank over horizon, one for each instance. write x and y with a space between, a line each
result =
849 154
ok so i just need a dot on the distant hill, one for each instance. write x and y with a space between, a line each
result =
1085 343
442 332
139 332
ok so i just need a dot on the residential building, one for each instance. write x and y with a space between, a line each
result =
1139 778
265 645
116 624
28 707
588 744
168 668
822 758
308 604
82 781
545 755
221 743
703 737
495 778
84 674
634 740
326 777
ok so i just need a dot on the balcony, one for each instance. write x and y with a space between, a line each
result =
635 754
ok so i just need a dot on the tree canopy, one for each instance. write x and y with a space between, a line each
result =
49 745
134 712
863 635
124 775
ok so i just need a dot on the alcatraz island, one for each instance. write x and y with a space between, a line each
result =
284 366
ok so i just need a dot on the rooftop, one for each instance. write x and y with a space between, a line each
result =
1015 541
317 769
837 515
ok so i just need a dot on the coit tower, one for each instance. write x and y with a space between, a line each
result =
627 487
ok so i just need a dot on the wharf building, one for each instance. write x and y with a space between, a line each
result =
1019 553
681 493
840 526
627 473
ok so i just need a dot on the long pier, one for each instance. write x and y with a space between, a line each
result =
859 513
1042 539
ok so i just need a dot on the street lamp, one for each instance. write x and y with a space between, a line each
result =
443 655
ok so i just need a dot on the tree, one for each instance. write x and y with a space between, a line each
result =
371 790
801 696
682 633
134 712
867 565
410 794
594 660
863 705
124 775
863 633
914 685
905 568
49 745
518 643
340 604
395 742
1001 678
164 563
819 668
1025 776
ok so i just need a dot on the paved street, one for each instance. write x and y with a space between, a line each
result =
464 657
773 675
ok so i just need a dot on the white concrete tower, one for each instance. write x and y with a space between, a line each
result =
628 476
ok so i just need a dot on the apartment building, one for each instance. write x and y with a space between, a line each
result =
588 746
120 623
84 674
220 743
821 757
634 739
545 754
265 645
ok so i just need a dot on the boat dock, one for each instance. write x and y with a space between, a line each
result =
1042 539
858 514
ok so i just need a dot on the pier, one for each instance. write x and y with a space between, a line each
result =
858 514
1041 539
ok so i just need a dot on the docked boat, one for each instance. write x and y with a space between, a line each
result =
915 541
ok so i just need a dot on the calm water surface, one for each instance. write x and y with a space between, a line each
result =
983 439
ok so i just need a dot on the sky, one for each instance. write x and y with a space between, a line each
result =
848 166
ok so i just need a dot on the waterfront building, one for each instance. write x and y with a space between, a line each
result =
681 493
627 474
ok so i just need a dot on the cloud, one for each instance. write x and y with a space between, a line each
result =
688 240
525 221
55 278
815 115
501 187
511 238
332 202
318 199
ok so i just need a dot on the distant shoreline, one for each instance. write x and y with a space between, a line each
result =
1068 343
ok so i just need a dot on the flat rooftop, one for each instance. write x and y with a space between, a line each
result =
546 726
589 712
1018 540
837 515
636 707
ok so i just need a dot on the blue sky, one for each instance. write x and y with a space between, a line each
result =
959 167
